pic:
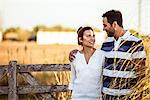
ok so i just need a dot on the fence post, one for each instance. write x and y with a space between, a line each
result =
12 84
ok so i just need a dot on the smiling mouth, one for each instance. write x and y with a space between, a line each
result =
91 42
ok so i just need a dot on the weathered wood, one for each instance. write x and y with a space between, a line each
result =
42 89
36 89
43 67
3 71
13 90
12 84
48 97
3 89
29 78
3 68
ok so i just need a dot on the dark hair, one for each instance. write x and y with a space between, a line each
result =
114 15
80 32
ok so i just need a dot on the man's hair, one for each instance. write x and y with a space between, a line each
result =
80 32
114 15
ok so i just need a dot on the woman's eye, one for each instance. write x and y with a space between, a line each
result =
90 35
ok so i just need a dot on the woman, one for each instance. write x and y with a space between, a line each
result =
86 68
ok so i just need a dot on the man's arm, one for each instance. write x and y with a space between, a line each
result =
139 61
72 54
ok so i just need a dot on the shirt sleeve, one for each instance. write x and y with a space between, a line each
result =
73 76
139 59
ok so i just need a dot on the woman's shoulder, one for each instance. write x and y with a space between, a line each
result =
78 54
100 52
77 59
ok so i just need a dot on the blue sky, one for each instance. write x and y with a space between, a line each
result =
71 13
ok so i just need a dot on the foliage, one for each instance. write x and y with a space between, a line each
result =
16 33
57 28
20 34
135 33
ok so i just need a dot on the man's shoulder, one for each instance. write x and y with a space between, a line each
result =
131 37
134 38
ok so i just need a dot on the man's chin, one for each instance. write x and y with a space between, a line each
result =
110 34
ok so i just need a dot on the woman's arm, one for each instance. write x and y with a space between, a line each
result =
73 76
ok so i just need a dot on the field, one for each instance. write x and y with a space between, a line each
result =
31 53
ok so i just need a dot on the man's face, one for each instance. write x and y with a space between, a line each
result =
108 27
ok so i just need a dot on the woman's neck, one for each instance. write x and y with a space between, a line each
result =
88 52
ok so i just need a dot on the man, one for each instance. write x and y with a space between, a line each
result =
124 58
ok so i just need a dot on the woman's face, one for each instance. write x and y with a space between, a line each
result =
88 38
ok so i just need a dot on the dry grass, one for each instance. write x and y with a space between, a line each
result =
143 86
31 53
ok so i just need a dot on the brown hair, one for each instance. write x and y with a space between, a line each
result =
80 32
114 15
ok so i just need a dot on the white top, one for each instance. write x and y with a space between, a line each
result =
86 78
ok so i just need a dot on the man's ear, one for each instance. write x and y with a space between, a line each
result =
115 24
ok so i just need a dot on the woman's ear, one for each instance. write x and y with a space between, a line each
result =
80 40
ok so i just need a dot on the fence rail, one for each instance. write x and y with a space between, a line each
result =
12 69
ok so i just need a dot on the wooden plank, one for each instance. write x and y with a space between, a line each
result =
34 86
36 89
3 89
42 89
3 71
29 78
3 68
12 84
48 97
43 67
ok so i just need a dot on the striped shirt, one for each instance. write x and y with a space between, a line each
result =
123 58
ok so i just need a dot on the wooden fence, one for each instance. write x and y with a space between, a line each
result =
13 90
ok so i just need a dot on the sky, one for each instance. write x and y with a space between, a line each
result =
71 13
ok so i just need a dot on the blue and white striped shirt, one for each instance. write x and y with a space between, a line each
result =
123 58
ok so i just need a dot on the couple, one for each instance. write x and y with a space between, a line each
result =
114 68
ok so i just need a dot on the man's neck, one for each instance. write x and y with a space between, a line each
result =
118 33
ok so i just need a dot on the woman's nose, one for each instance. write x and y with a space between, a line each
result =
93 38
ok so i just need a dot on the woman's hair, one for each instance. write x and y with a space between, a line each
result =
80 32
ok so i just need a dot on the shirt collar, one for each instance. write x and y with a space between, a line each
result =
126 35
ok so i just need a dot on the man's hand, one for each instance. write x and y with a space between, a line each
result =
72 55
